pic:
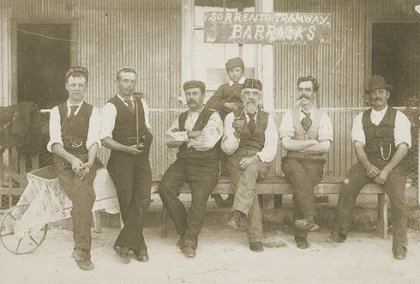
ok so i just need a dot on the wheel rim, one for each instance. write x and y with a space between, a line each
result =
27 244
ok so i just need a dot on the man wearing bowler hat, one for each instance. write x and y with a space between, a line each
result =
196 133
226 99
381 137
250 139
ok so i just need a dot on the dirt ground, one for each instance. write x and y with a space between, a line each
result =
222 257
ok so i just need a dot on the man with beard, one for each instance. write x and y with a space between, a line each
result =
74 141
306 134
195 133
226 99
250 139
381 137
126 131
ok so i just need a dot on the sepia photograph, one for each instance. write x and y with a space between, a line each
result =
209 141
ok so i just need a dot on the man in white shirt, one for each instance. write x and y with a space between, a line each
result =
306 134
381 136
250 139
74 141
196 133
126 131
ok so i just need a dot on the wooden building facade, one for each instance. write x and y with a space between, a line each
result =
163 41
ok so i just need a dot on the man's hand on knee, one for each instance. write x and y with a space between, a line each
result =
245 162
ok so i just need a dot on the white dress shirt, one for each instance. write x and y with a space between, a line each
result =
209 136
55 127
109 114
402 130
325 130
230 143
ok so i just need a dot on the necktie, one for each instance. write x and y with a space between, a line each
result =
251 123
306 121
130 105
73 110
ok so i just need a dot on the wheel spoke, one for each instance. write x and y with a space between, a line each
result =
13 217
18 245
6 234
34 240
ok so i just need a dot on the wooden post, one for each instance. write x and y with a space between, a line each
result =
418 164
382 224
97 221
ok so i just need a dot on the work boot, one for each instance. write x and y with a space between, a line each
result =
336 238
85 265
188 250
141 254
256 246
399 253
180 241
301 242
79 254
235 220
122 253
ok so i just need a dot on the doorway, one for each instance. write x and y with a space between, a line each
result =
395 56
43 57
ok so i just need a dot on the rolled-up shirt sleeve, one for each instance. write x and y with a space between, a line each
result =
55 129
210 135
268 152
286 128
108 115
146 114
357 133
94 133
325 130
402 130
229 142
173 133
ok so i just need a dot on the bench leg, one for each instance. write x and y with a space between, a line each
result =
164 223
382 226
97 221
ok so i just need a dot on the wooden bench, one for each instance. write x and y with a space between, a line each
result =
278 185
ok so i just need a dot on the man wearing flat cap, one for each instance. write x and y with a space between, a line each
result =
381 137
126 132
196 133
74 141
250 139
306 134
226 99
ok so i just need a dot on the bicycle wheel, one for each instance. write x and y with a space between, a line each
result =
26 244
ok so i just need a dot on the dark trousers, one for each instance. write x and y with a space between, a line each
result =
202 176
394 187
132 177
82 195
304 175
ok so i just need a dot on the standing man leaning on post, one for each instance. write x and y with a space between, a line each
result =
381 137
227 98
306 134
195 133
74 140
250 139
126 131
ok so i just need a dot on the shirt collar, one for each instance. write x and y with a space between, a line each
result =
122 99
198 111
241 81
69 104
309 111
381 111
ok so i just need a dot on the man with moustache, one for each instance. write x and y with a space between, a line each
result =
226 99
306 134
381 137
74 141
250 139
195 133
126 131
